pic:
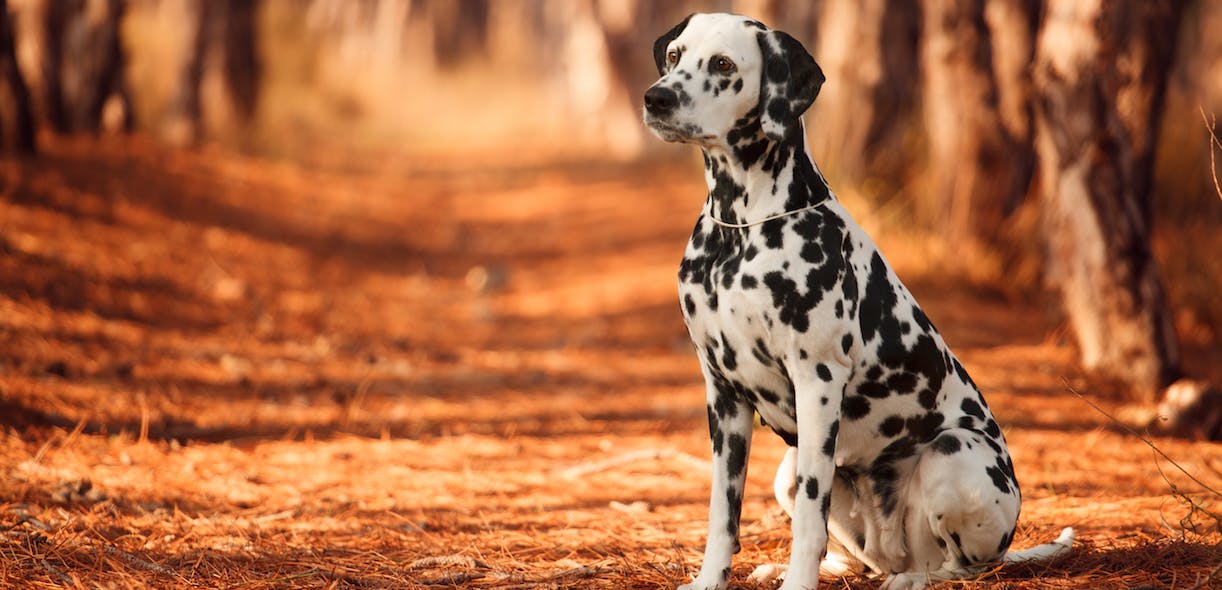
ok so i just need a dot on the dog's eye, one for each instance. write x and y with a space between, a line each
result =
673 56
723 64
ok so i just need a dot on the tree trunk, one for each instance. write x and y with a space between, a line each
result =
224 26
460 29
55 16
1012 27
83 64
868 52
978 170
242 67
16 121
1100 71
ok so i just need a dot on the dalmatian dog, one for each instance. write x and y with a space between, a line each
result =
896 464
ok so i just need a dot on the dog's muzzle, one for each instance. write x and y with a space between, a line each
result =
661 104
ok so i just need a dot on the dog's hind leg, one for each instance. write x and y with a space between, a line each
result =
844 529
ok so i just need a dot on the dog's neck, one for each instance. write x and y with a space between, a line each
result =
752 177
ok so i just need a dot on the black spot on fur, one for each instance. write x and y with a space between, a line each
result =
737 461
767 395
1006 538
892 426
884 474
793 307
855 407
878 300
873 389
902 382
811 487
947 444
924 427
729 358
829 444
973 409
734 497
991 428
689 304
1002 473
846 343
761 352
715 432
822 371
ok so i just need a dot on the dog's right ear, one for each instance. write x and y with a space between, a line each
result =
659 46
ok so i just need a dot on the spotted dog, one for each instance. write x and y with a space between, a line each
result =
896 464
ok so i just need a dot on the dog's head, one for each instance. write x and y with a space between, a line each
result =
718 68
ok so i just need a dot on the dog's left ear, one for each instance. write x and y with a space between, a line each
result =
789 82
659 46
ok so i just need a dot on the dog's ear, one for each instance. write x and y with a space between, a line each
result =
789 82
659 46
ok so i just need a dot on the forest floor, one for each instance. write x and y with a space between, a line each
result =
224 371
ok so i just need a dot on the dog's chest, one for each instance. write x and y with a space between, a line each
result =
748 295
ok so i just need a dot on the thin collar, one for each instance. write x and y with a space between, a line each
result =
714 219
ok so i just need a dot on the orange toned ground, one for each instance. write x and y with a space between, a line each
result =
221 371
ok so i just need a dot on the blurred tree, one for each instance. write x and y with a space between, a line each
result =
460 29
1100 71
227 28
979 170
16 120
868 52
81 64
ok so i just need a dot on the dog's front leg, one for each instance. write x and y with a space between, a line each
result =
730 423
818 392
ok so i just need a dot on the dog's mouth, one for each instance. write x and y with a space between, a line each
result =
675 132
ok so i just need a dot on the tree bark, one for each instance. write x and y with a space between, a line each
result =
82 63
242 67
1100 71
868 52
227 27
16 120
979 171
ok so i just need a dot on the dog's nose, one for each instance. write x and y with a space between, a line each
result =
660 100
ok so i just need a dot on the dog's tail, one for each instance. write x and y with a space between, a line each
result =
1045 552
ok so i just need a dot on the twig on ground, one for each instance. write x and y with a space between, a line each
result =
1142 437
452 579
55 571
1210 123
632 457
1194 507
1208 578
27 548
137 562
445 560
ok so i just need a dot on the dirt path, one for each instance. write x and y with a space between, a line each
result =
218 371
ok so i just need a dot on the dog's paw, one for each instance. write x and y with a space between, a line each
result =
906 581
698 585
703 584
767 573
